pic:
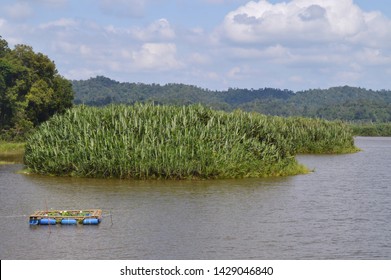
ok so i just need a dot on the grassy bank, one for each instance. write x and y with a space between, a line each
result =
170 142
11 152
371 129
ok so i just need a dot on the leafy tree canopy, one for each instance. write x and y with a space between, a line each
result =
31 90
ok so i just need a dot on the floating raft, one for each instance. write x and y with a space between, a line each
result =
66 217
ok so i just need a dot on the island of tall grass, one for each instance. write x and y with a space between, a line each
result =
171 142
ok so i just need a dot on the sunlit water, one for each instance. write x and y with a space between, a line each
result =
340 211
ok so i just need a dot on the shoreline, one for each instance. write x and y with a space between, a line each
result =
11 152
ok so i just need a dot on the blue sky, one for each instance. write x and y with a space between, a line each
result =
215 44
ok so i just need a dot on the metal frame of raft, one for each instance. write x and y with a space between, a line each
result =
66 217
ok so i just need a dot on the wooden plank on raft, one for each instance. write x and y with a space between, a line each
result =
71 214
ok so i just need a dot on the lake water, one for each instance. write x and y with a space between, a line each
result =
340 211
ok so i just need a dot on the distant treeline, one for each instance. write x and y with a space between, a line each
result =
345 103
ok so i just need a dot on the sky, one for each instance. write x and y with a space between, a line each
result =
214 44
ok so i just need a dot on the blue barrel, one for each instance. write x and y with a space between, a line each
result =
68 222
91 221
47 221
34 222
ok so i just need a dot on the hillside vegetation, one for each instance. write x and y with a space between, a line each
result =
338 103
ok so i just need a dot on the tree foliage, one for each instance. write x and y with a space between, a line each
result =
337 103
31 90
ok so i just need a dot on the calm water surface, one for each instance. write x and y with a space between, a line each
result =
340 211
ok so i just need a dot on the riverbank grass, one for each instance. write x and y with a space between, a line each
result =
371 129
12 147
11 152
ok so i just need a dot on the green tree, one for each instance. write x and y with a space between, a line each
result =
4 49
31 90
39 101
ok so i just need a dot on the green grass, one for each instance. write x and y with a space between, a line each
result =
371 129
11 147
11 152
172 142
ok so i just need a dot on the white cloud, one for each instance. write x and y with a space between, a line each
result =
52 2
204 76
198 58
215 1
221 1
295 44
73 48
159 29
19 11
303 22
347 77
2 22
123 8
11 32
271 53
375 57
296 79
212 76
196 36
156 56
61 23
303 43
234 72
83 73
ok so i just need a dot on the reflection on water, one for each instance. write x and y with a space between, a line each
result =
10 157
340 211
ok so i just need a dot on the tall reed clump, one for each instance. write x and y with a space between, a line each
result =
171 142
315 136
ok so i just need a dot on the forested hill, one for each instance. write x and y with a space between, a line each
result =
345 103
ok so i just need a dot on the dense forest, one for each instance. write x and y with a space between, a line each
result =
343 103
31 90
